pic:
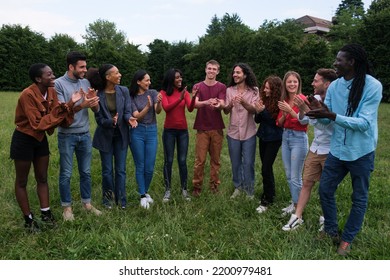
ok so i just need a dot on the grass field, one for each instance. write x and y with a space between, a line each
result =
209 228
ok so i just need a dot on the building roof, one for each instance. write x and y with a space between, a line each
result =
314 24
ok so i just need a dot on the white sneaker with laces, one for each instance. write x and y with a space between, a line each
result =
144 203
149 198
261 209
321 221
293 223
167 196
288 210
185 195
236 193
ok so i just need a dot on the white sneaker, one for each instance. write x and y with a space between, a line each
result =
236 193
149 198
321 221
167 196
288 210
261 209
293 223
144 203
185 195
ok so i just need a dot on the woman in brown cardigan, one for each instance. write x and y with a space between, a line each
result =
37 112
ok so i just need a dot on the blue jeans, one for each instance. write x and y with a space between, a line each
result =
114 185
334 172
143 146
79 143
242 157
170 137
295 145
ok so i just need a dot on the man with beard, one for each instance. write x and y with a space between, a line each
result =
351 103
76 138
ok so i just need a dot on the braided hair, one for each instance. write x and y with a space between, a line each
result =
361 68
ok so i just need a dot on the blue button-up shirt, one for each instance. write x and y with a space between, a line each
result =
357 135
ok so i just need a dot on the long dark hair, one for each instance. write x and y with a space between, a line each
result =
361 68
168 84
250 79
134 87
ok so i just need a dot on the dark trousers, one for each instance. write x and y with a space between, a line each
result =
268 152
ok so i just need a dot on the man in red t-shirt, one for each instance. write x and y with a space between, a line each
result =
209 100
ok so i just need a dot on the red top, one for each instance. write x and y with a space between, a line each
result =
293 123
174 109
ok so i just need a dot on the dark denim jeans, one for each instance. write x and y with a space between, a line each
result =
114 185
334 172
170 137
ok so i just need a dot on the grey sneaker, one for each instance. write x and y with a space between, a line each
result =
167 196
236 193
185 195
288 210
293 223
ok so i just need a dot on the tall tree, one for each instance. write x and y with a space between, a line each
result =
20 47
375 37
105 44
354 7
59 45
346 24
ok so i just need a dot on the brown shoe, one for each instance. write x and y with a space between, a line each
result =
88 207
196 192
344 248
68 214
215 190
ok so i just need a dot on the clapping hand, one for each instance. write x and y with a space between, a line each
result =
115 120
133 122
183 92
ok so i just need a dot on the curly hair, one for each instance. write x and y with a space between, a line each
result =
271 102
250 79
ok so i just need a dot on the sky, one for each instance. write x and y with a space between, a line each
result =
142 21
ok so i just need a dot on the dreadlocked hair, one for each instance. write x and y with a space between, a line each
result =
361 67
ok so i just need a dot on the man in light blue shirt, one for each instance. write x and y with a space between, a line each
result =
351 103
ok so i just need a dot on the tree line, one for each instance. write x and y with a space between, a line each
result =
274 48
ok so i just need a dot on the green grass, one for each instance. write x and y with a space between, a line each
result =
211 227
